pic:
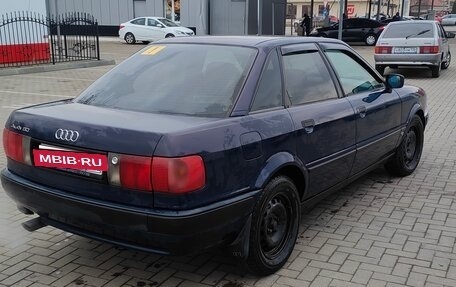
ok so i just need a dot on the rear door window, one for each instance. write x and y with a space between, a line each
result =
307 78
139 21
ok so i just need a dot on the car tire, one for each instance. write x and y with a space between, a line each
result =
130 38
380 69
436 70
169 35
275 225
408 154
370 39
447 62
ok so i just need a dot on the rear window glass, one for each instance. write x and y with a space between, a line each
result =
415 30
189 79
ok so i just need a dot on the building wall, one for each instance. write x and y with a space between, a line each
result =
8 6
106 12
195 14
360 8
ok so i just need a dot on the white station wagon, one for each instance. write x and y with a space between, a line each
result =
149 29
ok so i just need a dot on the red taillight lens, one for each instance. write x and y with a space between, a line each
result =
12 143
135 172
383 50
178 175
429 50
121 26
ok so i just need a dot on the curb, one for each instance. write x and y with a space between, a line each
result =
56 67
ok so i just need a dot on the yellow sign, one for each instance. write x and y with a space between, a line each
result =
153 50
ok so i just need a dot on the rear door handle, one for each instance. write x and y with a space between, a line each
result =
362 111
308 125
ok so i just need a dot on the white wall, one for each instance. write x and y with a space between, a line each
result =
8 6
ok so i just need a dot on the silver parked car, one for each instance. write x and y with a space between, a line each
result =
413 43
449 19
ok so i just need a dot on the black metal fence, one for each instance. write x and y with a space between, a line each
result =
28 38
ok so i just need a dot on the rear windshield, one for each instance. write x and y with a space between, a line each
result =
188 79
415 30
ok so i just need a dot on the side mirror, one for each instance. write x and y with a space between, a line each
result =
160 26
450 34
394 81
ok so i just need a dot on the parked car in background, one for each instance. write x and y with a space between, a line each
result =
149 29
449 19
317 21
199 142
413 43
354 30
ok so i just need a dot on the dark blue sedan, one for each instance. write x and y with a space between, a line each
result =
199 142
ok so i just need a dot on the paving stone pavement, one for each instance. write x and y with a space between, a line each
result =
378 231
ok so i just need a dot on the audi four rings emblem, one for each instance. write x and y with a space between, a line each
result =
66 135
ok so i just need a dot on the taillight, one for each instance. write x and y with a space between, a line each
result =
429 49
383 49
178 175
171 175
121 26
12 143
135 172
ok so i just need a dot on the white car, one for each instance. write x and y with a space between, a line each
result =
148 29
449 19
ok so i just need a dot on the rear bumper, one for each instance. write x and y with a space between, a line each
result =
407 60
163 232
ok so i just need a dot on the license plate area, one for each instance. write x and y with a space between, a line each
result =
405 50
73 161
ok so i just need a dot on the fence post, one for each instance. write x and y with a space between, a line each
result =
98 40
52 40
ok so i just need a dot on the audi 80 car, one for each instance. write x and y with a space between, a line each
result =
199 142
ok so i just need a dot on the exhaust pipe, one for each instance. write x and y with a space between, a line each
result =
33 224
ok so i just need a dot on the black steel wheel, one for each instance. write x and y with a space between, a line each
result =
447 62
408 155
436 70
275 224
130 38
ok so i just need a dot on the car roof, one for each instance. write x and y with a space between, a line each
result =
412 22
249 41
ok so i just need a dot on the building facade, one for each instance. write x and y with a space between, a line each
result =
214 17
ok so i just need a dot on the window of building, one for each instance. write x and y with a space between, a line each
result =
172 10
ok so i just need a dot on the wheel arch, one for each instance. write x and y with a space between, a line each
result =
284 163
417 110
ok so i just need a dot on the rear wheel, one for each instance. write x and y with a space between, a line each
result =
436 70
275 224
447 62
169 35
380 69
408 155
130 38
370 40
